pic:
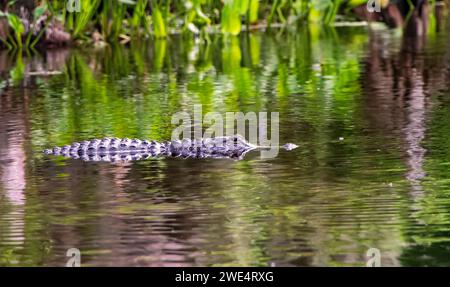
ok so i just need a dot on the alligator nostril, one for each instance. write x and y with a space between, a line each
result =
290 146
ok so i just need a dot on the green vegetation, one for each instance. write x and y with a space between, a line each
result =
112 20
18 38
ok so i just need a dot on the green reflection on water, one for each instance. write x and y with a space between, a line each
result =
354 183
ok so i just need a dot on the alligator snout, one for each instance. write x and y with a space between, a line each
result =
290 146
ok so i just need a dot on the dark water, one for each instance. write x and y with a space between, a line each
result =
368 109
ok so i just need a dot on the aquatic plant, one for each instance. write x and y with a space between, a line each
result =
112 20
21 33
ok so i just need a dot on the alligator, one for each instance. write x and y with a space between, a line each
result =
117 149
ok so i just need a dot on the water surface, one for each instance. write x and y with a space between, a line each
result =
367 107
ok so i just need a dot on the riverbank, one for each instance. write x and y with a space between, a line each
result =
27 24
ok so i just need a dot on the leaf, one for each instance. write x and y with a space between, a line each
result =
198 10
243 7
39 11
254 7
158 23
15 23
231 20
354 3
320 5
